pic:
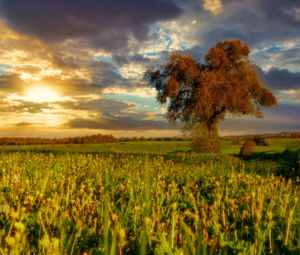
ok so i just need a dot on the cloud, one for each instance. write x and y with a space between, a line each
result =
27 124
119 123
22 107
99 105
282 55
61 61
143 92
10 82
284 118
106 24
282 79
93 53
256 22
214 6
292 95
293 12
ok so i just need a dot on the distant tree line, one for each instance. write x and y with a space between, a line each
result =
280 135
98 138
89 139
142 138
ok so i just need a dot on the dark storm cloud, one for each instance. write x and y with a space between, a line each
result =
220 34
197 52
255 21
265 23
105 74
119 123
281 79
108 23
258 126
284 118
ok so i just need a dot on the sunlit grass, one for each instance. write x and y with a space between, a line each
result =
131 204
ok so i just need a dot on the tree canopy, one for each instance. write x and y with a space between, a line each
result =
202 93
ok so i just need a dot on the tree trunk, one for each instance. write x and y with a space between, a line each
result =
206 138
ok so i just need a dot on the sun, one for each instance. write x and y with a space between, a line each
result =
41 94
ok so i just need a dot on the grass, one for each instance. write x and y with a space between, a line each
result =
152 147
119 147
149 198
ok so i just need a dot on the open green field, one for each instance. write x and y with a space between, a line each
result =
155 147
149 198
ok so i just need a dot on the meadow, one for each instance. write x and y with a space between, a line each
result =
151 147
149 198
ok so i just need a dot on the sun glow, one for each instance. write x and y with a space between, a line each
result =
41 95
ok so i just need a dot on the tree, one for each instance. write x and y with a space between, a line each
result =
200 94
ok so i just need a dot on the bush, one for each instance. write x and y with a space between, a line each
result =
236 140
248 147
261 141
289 164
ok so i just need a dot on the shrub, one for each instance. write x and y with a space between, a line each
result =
261 141
289 164
248 147
236 140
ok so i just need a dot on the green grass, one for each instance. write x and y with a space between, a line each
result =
276 145
156 147
119 147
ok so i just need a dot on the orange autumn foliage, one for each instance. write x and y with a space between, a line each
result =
202 93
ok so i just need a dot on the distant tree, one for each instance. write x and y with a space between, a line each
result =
200 94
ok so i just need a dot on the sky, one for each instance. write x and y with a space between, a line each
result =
70 68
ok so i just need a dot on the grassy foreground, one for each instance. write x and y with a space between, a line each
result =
136 204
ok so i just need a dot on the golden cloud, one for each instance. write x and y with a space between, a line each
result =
214 6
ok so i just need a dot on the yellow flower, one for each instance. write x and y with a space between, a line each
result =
55 243
270 215
45 242
19 227
122 237
11 242
174 206
17 236
14 214
114 217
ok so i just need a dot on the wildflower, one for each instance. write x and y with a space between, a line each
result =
122 237
11 242
19 227
269 215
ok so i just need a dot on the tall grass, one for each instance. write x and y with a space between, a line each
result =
126 204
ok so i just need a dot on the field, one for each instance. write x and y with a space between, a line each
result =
149 198
151 147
